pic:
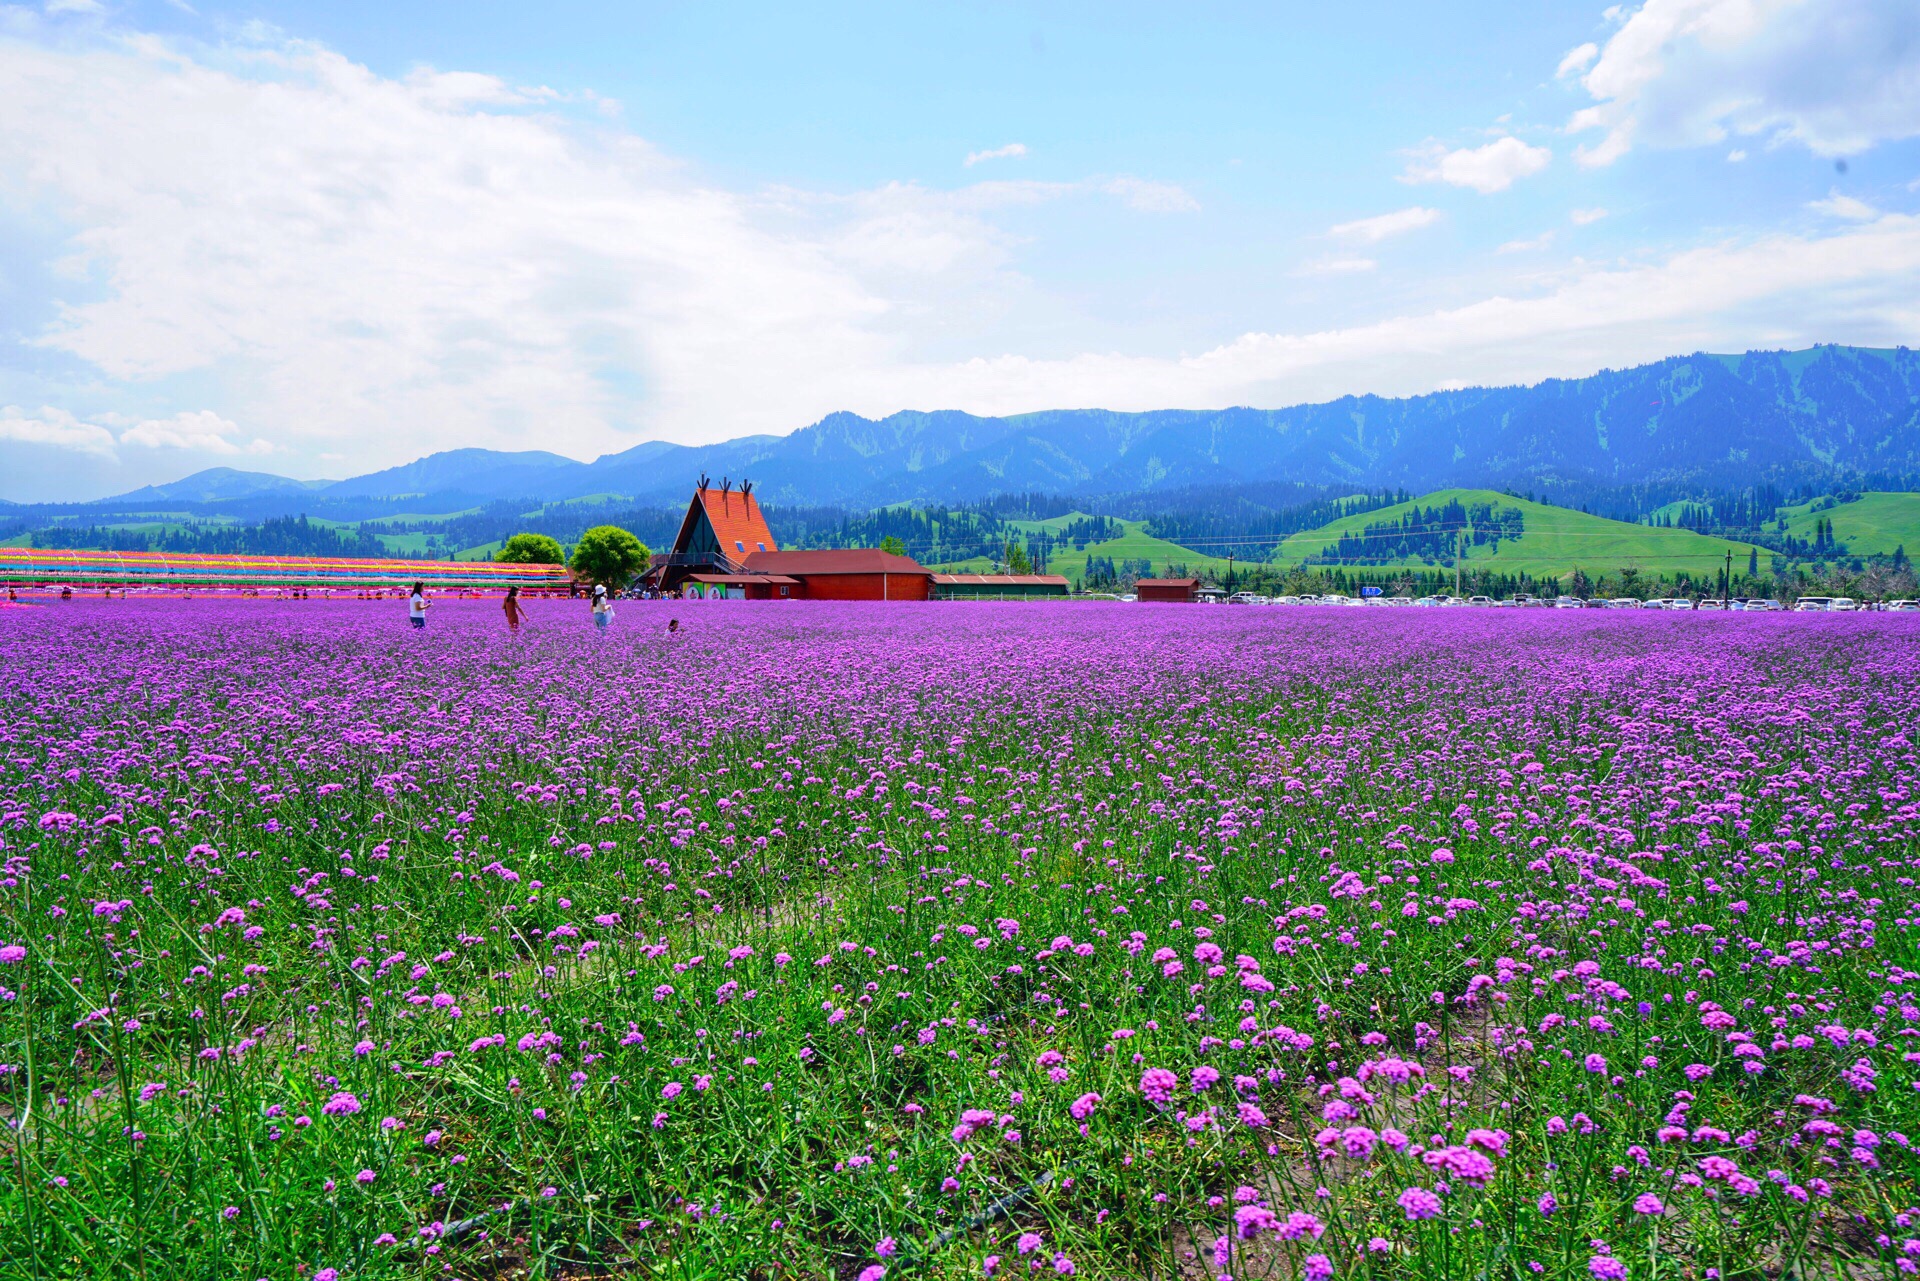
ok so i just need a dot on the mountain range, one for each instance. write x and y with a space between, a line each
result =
1715 420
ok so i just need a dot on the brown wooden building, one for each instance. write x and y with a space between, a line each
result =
1167 589
999 586
724 549
853 573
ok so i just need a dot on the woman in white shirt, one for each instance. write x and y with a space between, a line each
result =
417 607
602 607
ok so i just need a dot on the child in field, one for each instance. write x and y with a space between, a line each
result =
511 607
417 607
602 608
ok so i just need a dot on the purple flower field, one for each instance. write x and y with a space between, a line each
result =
957 941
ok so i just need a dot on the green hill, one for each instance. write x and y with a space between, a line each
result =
1134 544
1552 541
1872 525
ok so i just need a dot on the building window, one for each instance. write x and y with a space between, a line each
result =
739 546
761 546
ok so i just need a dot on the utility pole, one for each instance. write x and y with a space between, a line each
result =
1459 556
1726 595
1229 571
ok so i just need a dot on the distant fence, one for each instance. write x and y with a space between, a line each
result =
48 567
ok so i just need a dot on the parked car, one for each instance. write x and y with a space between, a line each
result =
1904 606
1812 604
1568 602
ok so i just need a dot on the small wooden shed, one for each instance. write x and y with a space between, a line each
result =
1168 589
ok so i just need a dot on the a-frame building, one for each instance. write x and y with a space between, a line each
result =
723 526
725 550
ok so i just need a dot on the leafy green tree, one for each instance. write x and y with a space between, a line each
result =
892 545
1017 562
609 555
531 549
1579 584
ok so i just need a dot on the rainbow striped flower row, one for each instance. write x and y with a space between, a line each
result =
42 565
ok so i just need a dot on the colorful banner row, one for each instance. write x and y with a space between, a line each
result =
76 567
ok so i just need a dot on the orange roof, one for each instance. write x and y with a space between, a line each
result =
736 522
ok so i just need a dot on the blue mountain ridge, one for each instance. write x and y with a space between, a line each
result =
1715 418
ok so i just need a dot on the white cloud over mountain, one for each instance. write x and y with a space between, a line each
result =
1834 76
57 428
199 431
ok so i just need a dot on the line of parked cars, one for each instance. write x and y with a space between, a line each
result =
1756 604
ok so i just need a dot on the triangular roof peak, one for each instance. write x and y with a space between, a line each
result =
733 518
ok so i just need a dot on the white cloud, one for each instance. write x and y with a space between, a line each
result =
381 267
1839 206
385 267
201 430
1859 285
1584 217
1337 266
404 265
1736 156
1151 197
1368 231
55 427
1012 151
1540 241
74 6
1487 169
1836 76
1577 60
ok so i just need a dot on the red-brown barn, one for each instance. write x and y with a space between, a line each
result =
725 549
1167 589
855 573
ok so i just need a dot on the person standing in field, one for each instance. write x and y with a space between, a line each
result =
602 607
417 607
511 607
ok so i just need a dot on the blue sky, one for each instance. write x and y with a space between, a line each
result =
317 240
